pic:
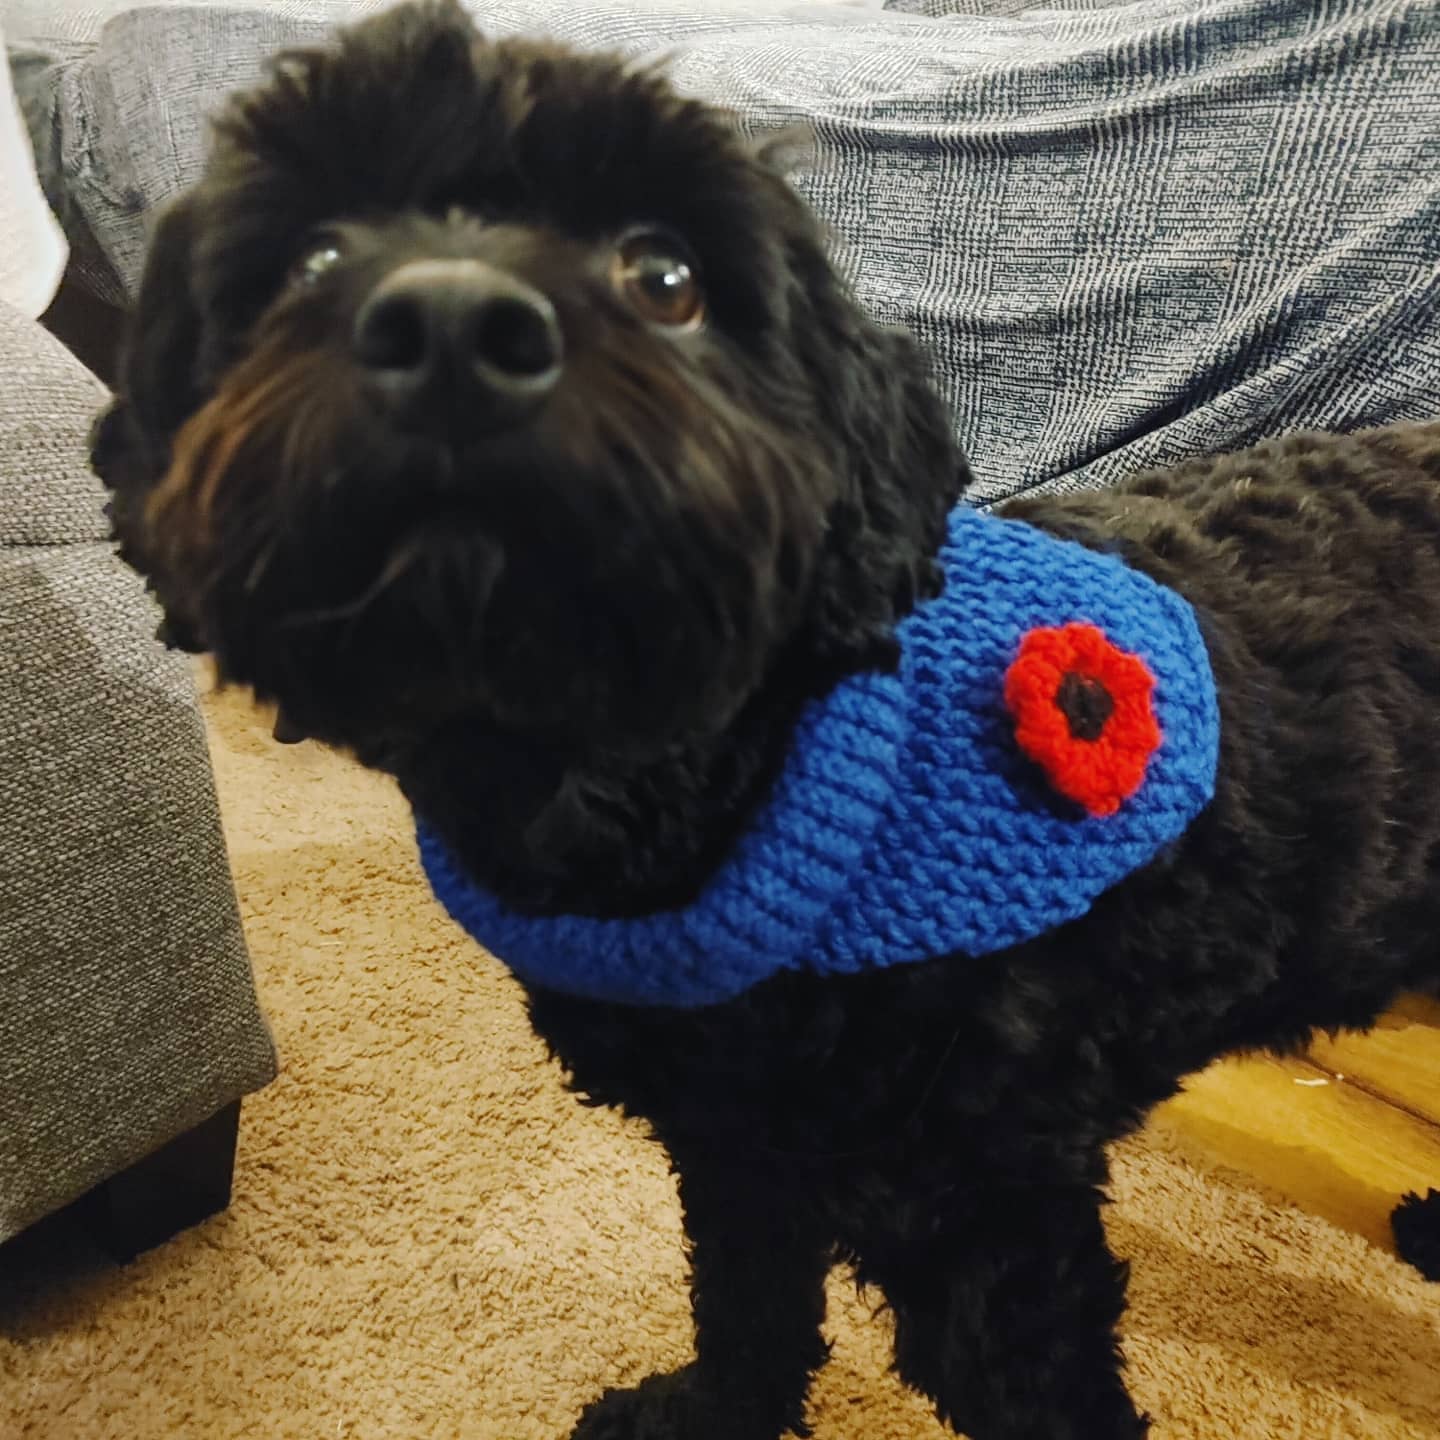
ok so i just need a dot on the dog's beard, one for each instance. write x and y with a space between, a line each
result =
617 575
241 466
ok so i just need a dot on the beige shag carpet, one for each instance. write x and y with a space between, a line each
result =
430 1239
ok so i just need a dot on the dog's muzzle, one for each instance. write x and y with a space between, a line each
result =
459 345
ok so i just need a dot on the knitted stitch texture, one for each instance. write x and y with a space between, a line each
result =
906 824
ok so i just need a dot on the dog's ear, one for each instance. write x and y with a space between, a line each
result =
906 472
110 442
157 388
157 391
899 467
158 369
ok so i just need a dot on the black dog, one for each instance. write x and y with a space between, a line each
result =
497 413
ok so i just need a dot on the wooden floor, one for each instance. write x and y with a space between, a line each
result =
1343 1134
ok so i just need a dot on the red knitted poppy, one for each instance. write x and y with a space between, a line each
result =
1083 713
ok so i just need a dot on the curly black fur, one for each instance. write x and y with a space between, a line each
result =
581 644
1416 1222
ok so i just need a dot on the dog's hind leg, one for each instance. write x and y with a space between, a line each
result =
1006 1314
758 1295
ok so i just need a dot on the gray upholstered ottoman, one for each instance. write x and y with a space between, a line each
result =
129 1025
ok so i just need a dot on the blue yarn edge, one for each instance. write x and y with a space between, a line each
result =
543 950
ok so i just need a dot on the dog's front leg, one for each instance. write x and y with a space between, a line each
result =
1006 1313
758 1294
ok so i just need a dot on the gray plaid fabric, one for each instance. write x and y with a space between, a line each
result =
1128 233
127 1007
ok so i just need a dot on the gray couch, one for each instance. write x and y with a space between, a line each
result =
129 1025
1128 232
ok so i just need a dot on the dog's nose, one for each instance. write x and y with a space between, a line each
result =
458 340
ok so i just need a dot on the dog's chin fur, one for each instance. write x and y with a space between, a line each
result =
581 645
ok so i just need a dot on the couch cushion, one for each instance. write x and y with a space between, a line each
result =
129 1010
1128 233
47 400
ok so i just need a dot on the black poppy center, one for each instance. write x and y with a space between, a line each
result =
1086 705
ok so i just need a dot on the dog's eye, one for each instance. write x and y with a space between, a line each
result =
317 260
656 274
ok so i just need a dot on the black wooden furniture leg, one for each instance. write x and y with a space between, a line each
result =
172 1188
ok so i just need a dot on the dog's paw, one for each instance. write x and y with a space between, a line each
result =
662 1407
1416 1223
667 1407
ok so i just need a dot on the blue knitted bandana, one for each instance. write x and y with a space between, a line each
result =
907 823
